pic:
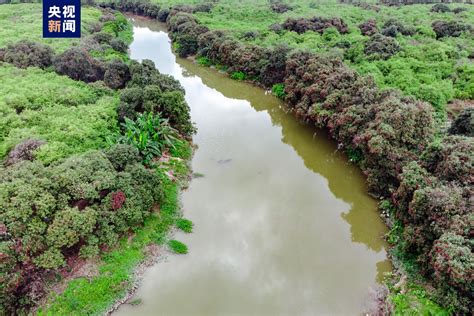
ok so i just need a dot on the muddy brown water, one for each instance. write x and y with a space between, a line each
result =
283 224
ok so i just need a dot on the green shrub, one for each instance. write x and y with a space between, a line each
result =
185 225
145 73
238 75
119 45
279 90
186 45
453 261
117 27
173 106
103 37
120 155
178 247
464 81
204 61
66 209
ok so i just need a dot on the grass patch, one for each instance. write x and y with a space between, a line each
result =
278 90
238 75
71 116
416 302
204 61
177 247
185 225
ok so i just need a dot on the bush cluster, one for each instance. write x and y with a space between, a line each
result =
381 47
369 27
117 74
392 27
434 201
315 24
23 151
459 10
278 6
52 213
386 128
429 182
77 64
152 92
266 64
24 54
448 28
440 7
464 123
155 11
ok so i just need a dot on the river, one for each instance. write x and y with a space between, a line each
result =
283 224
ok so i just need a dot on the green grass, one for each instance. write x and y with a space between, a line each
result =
204 61
279 90
120 28
24 21
185 225
238 75
178 247
71 116
94 296
436 71
416 302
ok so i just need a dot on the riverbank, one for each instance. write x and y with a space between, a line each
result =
90 174
395 140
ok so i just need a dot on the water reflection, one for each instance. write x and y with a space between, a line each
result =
317 151
283 225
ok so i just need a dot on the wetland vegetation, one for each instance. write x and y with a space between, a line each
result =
95 145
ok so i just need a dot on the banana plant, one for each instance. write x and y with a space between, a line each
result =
150 134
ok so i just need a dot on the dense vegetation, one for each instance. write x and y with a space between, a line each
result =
87 170
423 174
425 53
79 160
